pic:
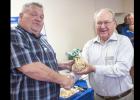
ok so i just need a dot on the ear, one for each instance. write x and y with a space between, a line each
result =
115 22
20 15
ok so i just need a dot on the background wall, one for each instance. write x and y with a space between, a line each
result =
69 23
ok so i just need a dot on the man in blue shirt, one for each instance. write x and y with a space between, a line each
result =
34 68
121 28
127 28
130 33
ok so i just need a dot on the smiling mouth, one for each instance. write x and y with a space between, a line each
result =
37 24
102 31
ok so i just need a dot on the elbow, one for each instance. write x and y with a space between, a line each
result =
27 69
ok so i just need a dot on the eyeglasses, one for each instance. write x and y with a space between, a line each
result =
106 23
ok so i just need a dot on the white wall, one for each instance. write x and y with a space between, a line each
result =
116 5
69 23
128 6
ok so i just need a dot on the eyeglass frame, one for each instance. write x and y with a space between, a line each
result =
106 23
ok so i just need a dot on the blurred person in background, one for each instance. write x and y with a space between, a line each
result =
127 28
128 20
110 58
123 26
34 67
130 33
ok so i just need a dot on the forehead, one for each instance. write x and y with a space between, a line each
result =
33 8
130 17
104 15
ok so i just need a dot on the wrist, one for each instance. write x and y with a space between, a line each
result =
92 68
63 80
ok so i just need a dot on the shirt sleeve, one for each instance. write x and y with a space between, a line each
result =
21 52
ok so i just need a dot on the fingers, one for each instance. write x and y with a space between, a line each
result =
79 69
69 64
86 70
68 82
79 64
81 72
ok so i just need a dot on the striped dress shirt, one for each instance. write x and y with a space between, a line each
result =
112 60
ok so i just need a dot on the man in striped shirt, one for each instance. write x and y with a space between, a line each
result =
34 68
110 56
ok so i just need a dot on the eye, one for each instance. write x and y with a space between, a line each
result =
99 23
33 14
42 17
107 23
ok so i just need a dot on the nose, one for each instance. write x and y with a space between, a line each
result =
102 25
38 18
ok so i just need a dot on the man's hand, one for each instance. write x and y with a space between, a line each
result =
69 64
66 65
86 70
68 82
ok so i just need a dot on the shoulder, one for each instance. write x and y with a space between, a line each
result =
18 33
15 31
124 43
89 43
17 36
119 25
122 25
122 39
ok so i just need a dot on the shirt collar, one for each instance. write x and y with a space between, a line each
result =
113 37
23 30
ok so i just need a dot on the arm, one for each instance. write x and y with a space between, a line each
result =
122 62
66 65
25 60
41 72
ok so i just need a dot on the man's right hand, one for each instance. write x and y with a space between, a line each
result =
68 82
88 69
